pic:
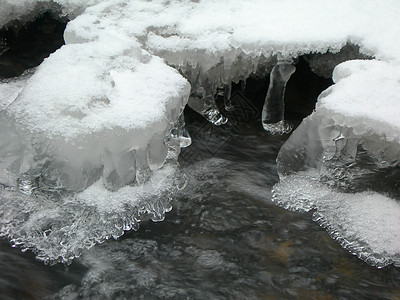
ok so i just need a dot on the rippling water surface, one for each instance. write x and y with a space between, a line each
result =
224 239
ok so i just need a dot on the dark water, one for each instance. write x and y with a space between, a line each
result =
224 239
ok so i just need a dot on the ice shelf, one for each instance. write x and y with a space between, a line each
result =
103 115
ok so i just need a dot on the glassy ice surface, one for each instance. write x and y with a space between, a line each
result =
180 132
273 113
205 105
343 161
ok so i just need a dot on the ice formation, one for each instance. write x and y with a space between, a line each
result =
273 113
103 114
234 43
94 116
343 151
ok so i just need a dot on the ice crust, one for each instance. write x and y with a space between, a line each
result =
340 153
59 231
366 223
102 116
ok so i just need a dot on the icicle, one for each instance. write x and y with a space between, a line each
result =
226 91
180 133
274 106
227 97
242 85
205 105
157 152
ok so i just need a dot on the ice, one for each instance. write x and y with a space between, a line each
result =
180 133
347 148
82 135
59 231
366 223
11 88
89 153
274 106
205 105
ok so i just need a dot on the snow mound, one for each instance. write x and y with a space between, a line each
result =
86 132
89 153
84 121
349 146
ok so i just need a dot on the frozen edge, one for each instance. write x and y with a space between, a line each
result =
355 247
123 219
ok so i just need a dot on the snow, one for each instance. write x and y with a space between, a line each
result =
99 116
365 223
365 94
94 92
